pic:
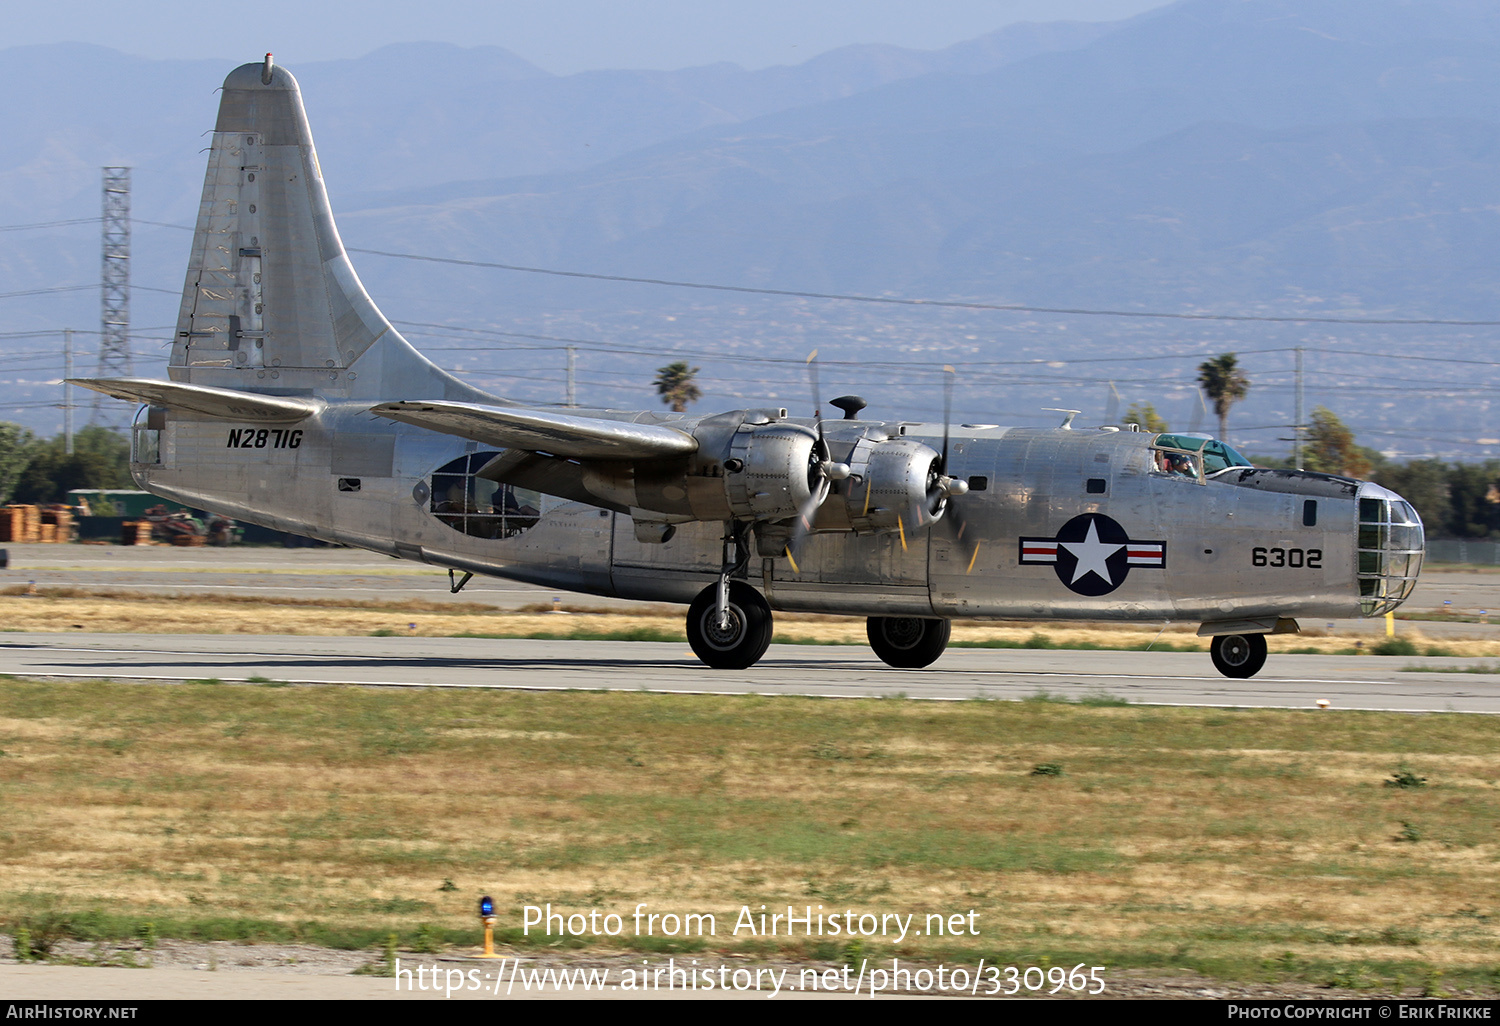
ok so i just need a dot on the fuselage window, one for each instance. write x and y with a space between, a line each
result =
145 435
478 507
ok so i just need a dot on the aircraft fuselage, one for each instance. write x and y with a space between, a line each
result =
1163 547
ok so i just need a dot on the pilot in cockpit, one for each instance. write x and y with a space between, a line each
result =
1175 463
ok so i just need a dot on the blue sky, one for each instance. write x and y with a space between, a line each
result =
562 36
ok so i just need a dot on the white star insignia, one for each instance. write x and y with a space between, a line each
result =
1092 555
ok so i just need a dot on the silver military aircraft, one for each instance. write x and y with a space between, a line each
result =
292 402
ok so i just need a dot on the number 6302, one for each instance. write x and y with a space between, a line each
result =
1295 558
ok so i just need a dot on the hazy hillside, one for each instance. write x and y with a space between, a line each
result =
1230 156
1056 161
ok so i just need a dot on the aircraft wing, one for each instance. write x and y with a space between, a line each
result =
225 403
557 434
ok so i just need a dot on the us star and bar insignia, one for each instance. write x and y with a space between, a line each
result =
1092 554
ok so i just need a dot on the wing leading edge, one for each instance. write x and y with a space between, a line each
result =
556 434
207 400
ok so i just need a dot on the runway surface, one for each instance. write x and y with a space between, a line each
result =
311 573
1167 678
352 574
1367 682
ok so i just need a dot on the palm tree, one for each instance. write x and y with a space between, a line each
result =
674 383
1225 384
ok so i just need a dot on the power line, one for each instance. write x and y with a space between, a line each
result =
945 303
898 301
42 292
48 224
82 288
599 345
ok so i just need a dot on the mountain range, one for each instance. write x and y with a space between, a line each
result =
1237 158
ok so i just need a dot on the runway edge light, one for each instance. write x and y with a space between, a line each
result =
487 917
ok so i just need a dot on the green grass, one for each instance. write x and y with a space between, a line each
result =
1214 839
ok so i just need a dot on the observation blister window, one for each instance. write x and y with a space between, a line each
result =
478 507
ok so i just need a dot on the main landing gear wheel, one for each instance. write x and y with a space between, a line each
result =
742 640
1239 655
908 642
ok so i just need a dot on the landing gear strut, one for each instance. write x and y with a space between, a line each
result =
1238 655
907 642
735 639
729 623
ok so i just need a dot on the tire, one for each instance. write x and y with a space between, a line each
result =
908 642
747 637
1238 655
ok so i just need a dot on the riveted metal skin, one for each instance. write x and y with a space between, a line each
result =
773 482
893 496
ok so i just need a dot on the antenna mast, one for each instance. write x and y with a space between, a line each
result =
114 284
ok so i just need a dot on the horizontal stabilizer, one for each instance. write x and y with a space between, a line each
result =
557 434
225 403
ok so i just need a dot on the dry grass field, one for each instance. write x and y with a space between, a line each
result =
63 609
1252 845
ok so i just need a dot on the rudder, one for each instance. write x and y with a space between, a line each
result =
271 301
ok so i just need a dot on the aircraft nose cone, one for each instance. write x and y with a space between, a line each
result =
1391 545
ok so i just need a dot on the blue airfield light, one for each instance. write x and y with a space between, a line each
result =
487 917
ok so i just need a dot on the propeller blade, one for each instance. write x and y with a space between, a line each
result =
1200 414
802 528
821 472
960 527
949 374
830 470
812 375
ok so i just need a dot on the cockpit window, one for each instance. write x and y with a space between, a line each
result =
1219 456
1177 453
1175 463
1192 443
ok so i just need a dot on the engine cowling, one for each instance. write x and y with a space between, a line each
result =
895 485
773 472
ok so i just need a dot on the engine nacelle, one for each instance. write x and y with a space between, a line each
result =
772 472
749 468
894 485
768 471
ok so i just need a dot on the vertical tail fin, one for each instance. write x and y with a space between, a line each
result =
271 302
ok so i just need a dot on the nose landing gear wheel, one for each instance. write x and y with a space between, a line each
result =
1238 655
907 642
742 640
